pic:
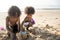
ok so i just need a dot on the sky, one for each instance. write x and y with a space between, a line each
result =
6 4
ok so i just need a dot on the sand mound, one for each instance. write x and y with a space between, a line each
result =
42 33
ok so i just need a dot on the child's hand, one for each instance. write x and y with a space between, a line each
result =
30 24
26 24
10 30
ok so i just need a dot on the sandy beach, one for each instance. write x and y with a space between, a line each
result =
41 17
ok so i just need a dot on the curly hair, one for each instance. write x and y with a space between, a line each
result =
29 10
13 11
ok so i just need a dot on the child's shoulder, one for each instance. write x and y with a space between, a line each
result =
7 18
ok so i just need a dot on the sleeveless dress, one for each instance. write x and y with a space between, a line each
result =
14 28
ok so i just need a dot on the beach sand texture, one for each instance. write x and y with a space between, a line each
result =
41 17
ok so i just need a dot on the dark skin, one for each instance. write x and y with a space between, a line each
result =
11 20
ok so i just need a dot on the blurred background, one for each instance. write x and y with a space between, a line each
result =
47 11
37 4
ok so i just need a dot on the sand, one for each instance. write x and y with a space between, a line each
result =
42 18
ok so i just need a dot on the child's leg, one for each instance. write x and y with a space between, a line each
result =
27 28
13 36
8 34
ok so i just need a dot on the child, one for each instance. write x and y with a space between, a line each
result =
28 21
13 22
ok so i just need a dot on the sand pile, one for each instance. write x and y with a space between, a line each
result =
42 33
46 33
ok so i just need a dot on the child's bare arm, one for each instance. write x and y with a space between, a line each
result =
23 21
7 24
18 24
